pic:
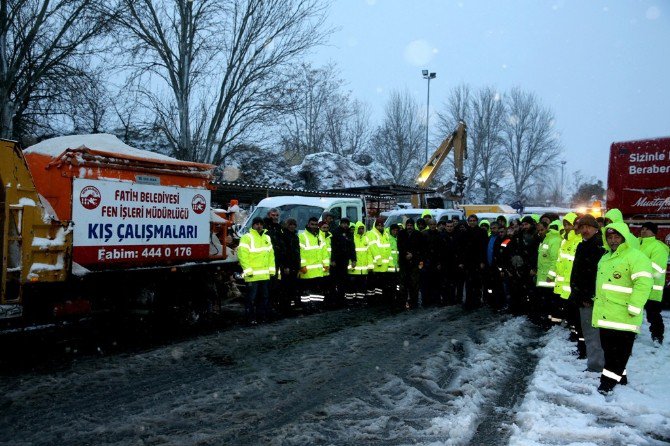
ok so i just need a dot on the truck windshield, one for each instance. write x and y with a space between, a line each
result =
300 212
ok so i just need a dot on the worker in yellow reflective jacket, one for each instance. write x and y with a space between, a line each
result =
312 266
623 283
657 251
358 271
379 254
257 259
547 253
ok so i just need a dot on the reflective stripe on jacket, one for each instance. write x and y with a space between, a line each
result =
394 266
623 284
256 256
312 253
547 253
326 240
657 251
566 257
361 244
379 250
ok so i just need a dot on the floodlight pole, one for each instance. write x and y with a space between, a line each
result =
428 76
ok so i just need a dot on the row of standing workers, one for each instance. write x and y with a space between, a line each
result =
591 275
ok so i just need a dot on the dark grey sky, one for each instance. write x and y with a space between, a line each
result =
602 66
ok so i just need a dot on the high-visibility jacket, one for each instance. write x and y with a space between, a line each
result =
657 251
312 253
623 284
362 260
379 250
394 266
256 256
566 257
326 240
547 253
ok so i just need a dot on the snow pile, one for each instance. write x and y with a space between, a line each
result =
100 141
327 170
562 405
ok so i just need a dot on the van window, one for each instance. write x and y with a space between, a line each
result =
352 213
337 214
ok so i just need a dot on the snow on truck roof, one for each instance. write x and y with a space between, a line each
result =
103 144
100 141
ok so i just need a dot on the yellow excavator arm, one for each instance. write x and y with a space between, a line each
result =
457 142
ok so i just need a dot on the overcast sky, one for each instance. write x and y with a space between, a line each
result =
602 66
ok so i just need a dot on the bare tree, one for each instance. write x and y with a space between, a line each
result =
347 126
485 133
310 94
530 140
398 141
223 62
459 108
321 117
39 43
88 103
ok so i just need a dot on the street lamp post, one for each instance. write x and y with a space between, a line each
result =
428 76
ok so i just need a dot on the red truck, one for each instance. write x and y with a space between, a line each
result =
638 183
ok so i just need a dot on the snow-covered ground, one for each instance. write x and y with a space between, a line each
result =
437 376
563 407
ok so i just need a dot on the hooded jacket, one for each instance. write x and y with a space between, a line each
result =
394 266
547 253
657 251
312 255
615 215
362 254
566 257
623 283
379 250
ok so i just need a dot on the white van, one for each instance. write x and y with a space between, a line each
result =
302 208
400 216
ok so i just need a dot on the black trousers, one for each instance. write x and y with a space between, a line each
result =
617 346
656 326
473 287
288 291
409 278
340 276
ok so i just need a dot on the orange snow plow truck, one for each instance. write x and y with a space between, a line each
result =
91 224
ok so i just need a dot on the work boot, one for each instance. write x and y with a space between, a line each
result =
605 389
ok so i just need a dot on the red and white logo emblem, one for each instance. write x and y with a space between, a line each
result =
90 197
199 204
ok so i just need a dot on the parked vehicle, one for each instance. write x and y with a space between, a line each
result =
400 216
302 208
90 224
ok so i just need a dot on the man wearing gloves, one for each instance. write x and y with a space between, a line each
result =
623 283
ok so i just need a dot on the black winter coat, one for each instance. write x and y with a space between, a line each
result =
472 247
584 270
410 243
342 247
288 256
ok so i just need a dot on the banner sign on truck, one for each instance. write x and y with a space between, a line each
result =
122 223
639 178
